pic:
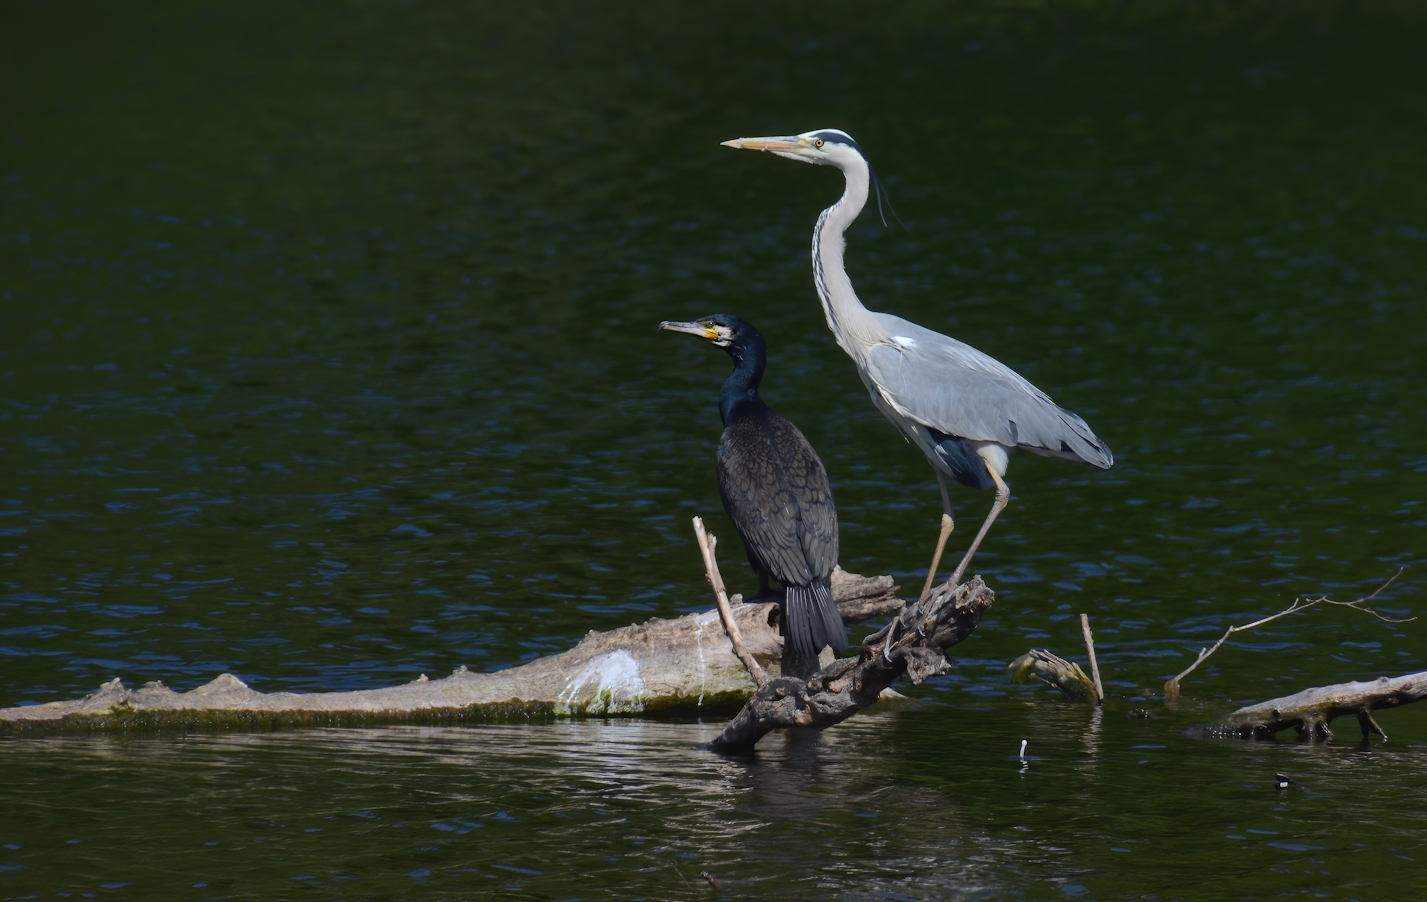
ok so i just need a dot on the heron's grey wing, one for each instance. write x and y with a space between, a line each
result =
762 509
954 388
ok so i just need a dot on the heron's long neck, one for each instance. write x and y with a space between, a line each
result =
850 322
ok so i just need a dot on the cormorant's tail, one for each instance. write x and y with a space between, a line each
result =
810 619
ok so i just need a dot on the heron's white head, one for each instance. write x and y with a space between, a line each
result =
824 146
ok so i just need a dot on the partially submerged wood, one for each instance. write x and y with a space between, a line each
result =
914 644
1310 711
1053 670
1094 664
685 664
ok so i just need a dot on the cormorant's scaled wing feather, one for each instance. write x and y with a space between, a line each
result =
954 388
806 480
776 492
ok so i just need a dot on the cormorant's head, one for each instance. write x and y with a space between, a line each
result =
723 329
825 146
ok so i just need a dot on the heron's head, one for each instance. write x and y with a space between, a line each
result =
723 329
824 146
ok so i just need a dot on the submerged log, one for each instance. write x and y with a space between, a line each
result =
1310 711
914 644
685 664
1052 670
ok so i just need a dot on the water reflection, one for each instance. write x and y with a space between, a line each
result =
924 805
515 809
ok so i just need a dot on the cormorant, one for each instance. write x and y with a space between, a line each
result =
775 491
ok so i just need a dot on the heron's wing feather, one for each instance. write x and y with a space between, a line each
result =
776 492
953 388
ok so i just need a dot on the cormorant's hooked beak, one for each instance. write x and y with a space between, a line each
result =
790 146
700 329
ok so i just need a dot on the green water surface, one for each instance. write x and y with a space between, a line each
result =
328 358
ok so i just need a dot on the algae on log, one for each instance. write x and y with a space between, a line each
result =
658 666
1310 711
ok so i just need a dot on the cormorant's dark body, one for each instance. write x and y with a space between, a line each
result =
776 492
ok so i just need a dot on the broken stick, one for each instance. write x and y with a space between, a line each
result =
1094 665
707 542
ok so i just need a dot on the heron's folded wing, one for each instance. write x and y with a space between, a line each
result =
955 389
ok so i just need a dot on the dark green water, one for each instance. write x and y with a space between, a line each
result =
327 358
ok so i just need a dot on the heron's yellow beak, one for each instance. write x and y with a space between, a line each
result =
702 330
788 144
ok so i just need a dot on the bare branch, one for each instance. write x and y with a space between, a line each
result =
1171 688
707 541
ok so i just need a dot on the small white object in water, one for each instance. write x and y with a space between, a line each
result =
1023 748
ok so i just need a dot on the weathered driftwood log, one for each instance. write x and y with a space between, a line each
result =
658 666
1310 711
913 644
1053 670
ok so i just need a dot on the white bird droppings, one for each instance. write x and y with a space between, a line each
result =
607 684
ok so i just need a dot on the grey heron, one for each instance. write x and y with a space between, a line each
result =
775 490
964 409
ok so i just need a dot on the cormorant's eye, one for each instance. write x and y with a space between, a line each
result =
818 143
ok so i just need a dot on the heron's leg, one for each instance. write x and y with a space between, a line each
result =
947 525
1003 497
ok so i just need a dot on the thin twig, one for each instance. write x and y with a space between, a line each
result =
1094 666
707 541
1171 689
